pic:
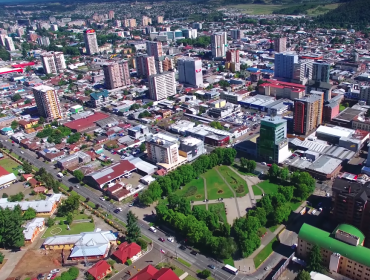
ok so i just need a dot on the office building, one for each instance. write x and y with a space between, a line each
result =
162 85
197 25
111 14
154 49
54 27
116 74
233 56
272 144
53 62
190 71
159 19
219 44
91 43
365 94
9 44
190 33
47 102
320 72
308 113
191 148
146 21
302 71
235 34
280 44
43 41
131 23
342 250
145 65
284 65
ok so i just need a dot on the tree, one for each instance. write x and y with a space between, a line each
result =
260 214
50 222
16 97
14 125
73 272
27 168
243 162
205 273
133 230
11 230
29 214
251 166
142 147
1 257
303 275
281 214
273 172
70 205
69 219
142 244
284 174
315 259
41 120
5 195
79 175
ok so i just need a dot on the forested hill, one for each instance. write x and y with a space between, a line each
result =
355 13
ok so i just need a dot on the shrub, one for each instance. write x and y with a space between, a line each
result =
191 191
205 273
240 189
142 244
128 262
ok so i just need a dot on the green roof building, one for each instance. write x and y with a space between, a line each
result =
342 250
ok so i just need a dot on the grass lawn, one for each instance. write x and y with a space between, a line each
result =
242 170
269 188
10 165
341 107
294 205
195 195
256 9
147 239
202 206
273 228
189 277
219 209
265 253
234 180
58 229
256 190
229 261
184 262
178 271
216 187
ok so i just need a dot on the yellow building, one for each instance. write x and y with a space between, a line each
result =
47 101
342 250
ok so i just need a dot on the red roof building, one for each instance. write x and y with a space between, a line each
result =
3 172
85 123
127 251
151 273
100 270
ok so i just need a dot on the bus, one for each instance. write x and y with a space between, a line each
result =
230 269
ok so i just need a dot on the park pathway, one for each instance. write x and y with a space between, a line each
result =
205 191
227 183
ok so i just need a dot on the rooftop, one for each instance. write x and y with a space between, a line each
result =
43 88
86 122
325 164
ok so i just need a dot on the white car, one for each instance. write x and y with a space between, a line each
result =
102 198
49 276
171 239
263 163
152 229
54 271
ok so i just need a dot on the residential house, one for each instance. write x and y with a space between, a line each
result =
100 270
127 251
151 273
25 124
33 228
121 191
73 160
99 99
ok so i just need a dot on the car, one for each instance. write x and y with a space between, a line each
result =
77 186
102 198
194 253
251 133
313 212
269 164
119 209
41 276
171 239
161 239
54 276
294 246
211 266
267 268
130 205
182 247
152 229
22 152
49 276
263 163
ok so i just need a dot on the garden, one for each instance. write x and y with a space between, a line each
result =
234 180
216 187
194 190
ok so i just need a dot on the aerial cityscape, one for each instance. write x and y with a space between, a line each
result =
185 140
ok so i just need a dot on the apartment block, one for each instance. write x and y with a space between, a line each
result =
91 43
284 65
47 101
145 65
219 44
154 49
116 74
191 148
320 72
307 113
302 71
164 64
43 41
146 21
280 44
190 71
233 56
9 44
162 85
53 62
131 23
159 19
235 34
110 14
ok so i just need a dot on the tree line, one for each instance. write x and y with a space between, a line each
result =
171 182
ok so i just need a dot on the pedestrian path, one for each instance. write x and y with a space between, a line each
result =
205 192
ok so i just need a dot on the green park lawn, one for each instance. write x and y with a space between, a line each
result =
201 206
219 210
239 185
75 228
269 188
186 191
216 187
229 261
265 252
10 165
242 170
257 9
256 190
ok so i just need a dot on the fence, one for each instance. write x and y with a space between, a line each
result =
282 268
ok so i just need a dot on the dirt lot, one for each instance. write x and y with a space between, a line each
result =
35 262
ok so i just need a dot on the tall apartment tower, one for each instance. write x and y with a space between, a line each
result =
154 49
159 19
302 71
111 14
284 65
320 72
280 44
53 62
164 64
145 65
162 85
91 43
9 44
146 21
2 39
235 34
131 22
43 41
47 102
197 25
190 71
163 151
20 31
219 44
116 74
307 113
233 56
272 144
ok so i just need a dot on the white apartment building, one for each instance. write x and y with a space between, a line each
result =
91 43
162 85
9 44
43 41
53 62
47 102
219 44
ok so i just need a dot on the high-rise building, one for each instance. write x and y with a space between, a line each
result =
284 65
162 85
164 64
159 19
111 14
53 62
219 44
43 41
197 25
145 66
117 23
20 31
54 27
116 74
308 113
9 44
190 71
154 49
280 44
320 72
272 144
146 21
91 43
302 71
235 34
131 23
190 33
47 102
2 39
233 56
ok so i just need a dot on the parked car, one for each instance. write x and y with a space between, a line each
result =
161 239
194 253
152 229
171 239
182 247
102 198
211 266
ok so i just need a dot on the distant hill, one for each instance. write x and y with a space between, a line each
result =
355 13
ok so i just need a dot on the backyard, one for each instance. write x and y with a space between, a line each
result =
10 165
216 187
194 190
234 180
